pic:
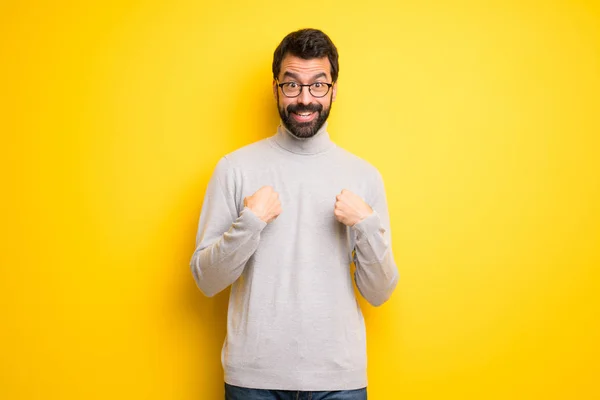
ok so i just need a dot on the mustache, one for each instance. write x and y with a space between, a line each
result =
299 108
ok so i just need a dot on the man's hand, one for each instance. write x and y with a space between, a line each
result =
264 203
350 209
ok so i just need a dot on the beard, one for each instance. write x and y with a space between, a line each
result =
303 130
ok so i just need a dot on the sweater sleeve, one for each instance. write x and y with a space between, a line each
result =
225 240
376 273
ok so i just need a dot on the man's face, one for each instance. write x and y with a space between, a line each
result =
305 114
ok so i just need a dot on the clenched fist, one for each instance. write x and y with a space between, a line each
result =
350 208
264 203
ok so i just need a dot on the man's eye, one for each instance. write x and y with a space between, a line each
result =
292 85
317 85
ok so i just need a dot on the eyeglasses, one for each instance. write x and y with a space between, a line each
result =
293 89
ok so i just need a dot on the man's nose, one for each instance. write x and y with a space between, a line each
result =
305 97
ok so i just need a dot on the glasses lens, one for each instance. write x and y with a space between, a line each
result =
319 89
291 89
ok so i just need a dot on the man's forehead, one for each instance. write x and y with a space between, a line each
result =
309 67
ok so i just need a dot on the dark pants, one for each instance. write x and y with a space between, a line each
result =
240 393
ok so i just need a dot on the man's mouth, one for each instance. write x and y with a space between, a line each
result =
304 116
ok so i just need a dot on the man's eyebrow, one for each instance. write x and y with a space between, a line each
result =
295 76
319 75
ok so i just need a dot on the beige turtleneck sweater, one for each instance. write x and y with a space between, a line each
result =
293 320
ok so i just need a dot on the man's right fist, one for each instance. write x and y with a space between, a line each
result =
264 203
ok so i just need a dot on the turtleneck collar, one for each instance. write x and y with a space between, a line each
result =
316 144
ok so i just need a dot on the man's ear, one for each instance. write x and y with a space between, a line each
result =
275 89
334 93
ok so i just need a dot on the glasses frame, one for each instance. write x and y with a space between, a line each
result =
329 85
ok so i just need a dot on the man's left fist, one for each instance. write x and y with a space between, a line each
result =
350 209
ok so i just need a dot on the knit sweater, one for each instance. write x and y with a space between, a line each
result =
294 322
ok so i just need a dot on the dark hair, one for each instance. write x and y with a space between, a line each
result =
307 44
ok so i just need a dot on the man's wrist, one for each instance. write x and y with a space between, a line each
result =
254 222
370 224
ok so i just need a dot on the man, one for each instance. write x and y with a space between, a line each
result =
282 220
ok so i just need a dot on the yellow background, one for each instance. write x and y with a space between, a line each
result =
483 118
